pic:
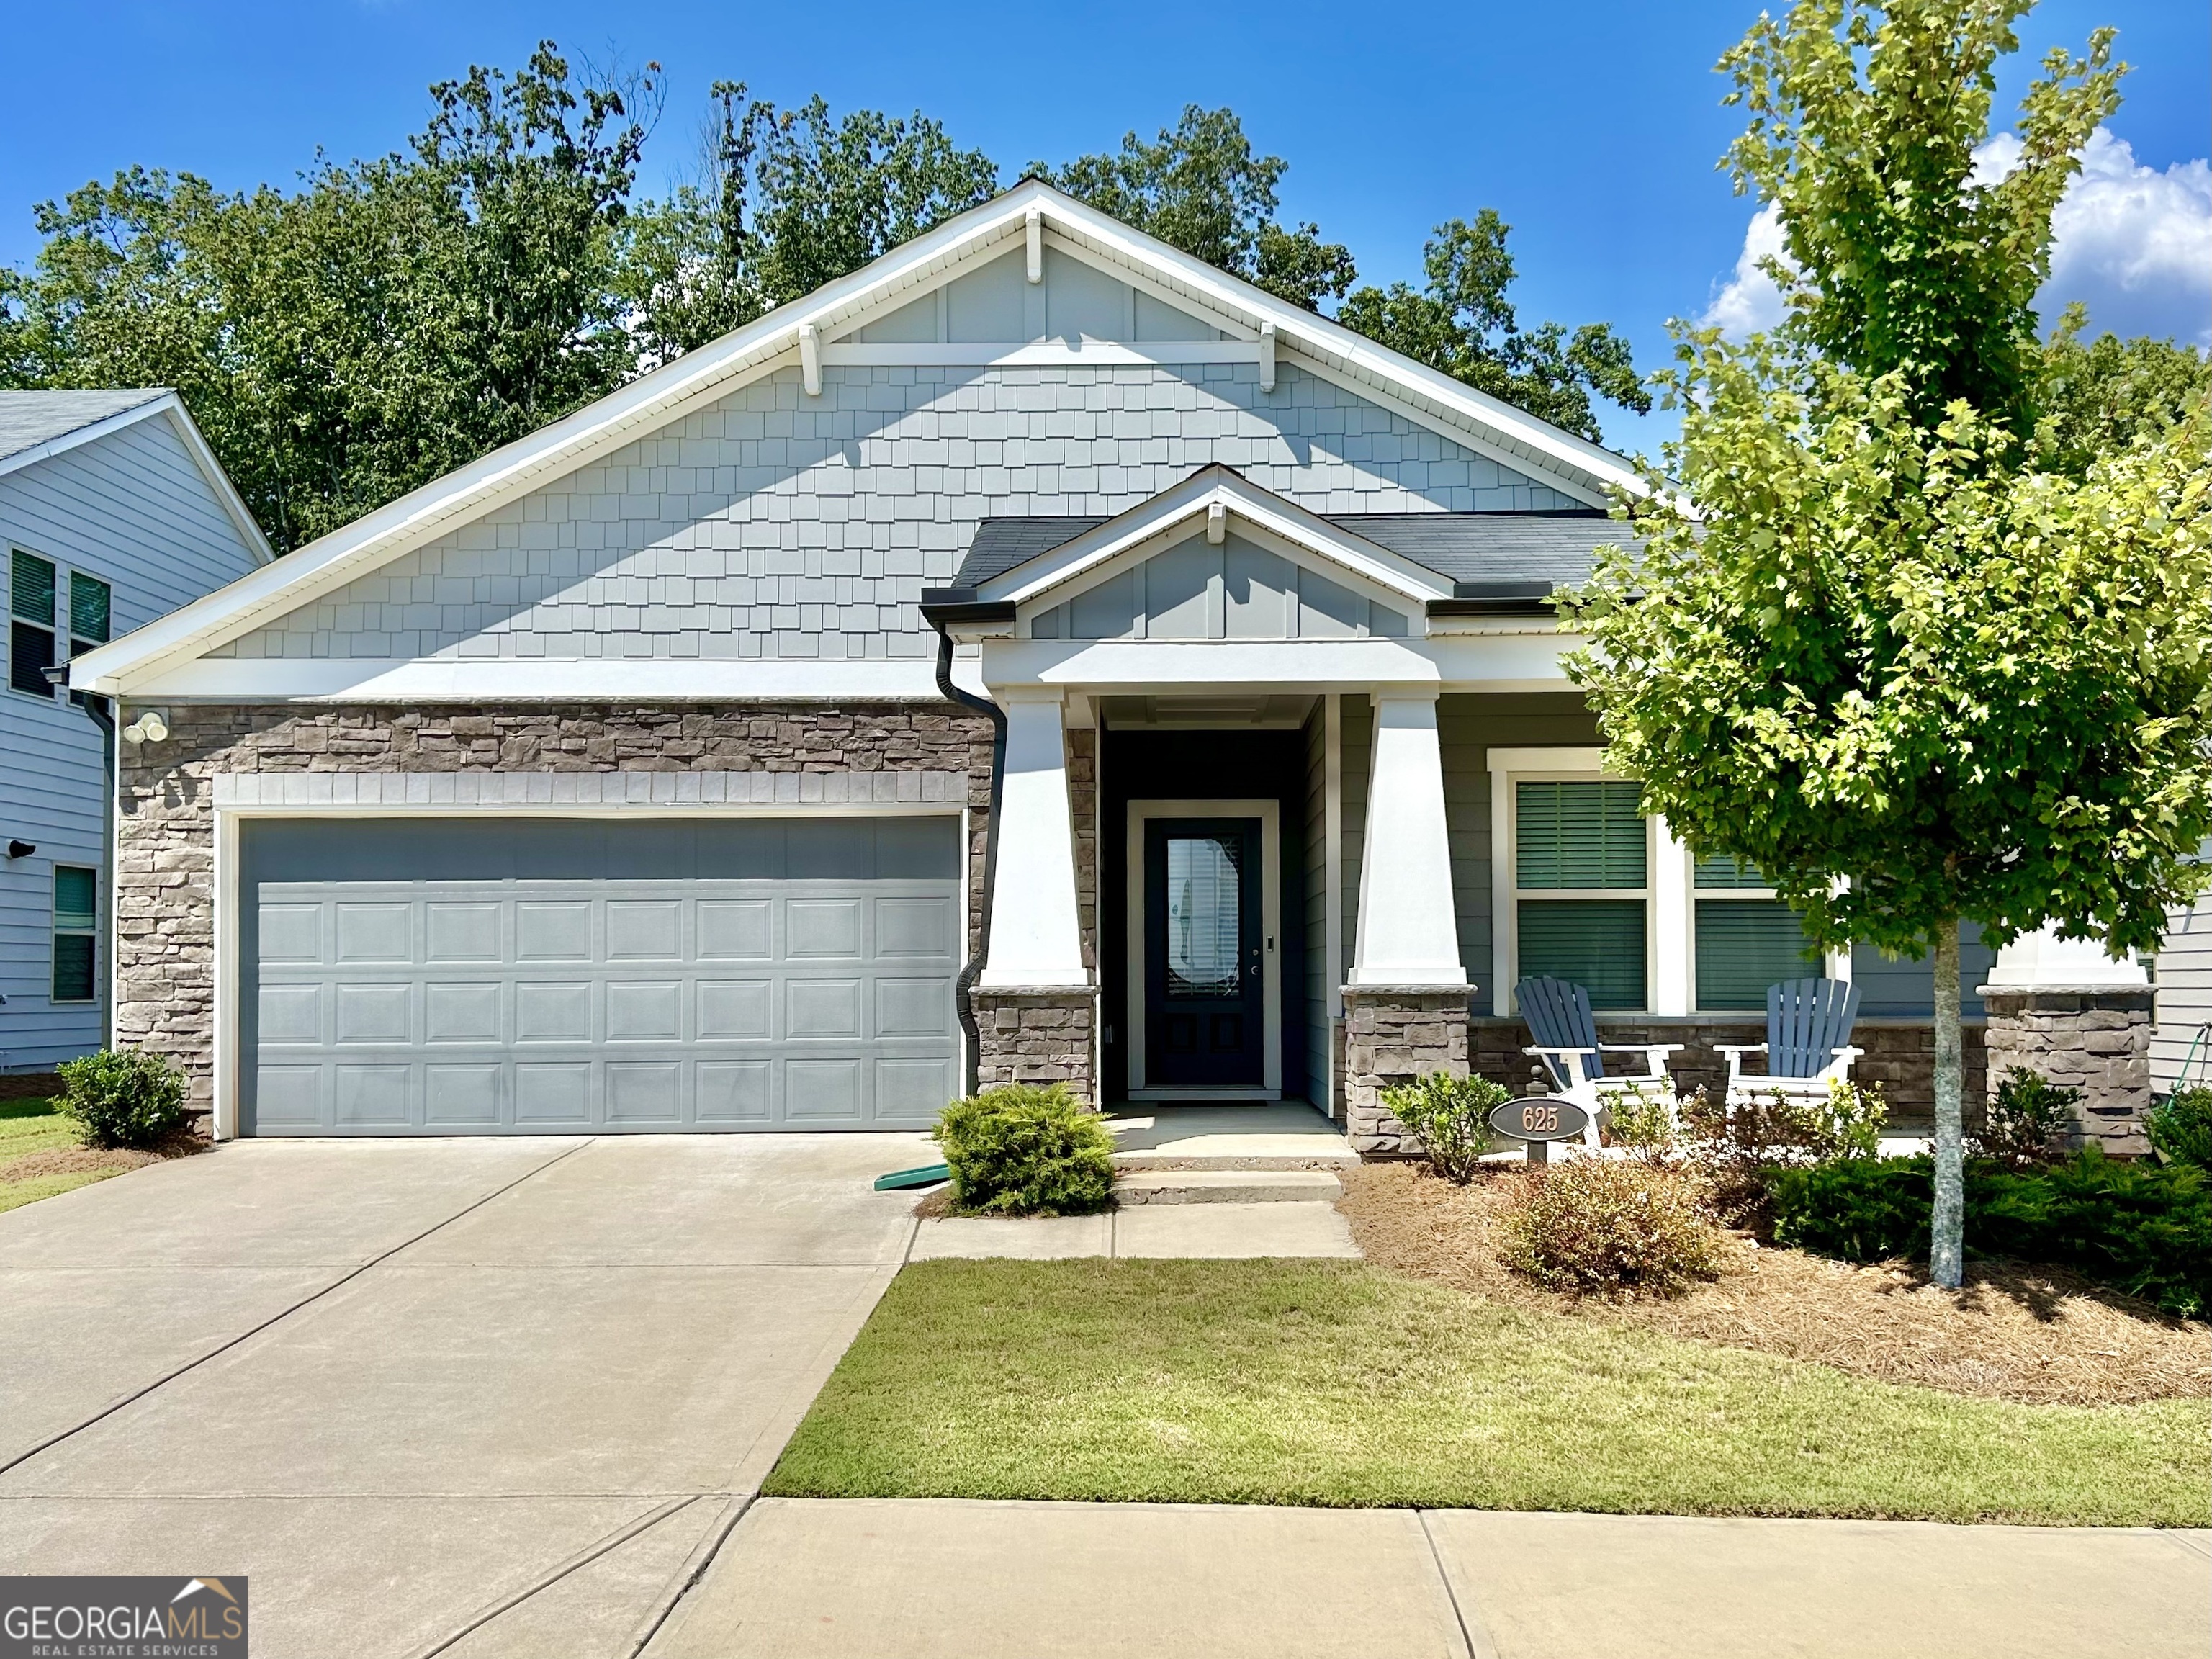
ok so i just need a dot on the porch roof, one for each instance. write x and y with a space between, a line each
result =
1473 550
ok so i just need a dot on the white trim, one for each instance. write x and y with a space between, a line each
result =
1037 931
1674 915
655 400
447 793
1472 662
1052 353
1097 552
543 679
247 793
168 404
1271 928
1408 931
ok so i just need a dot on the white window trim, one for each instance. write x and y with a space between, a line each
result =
1270 924
59 624
91 931
1665 891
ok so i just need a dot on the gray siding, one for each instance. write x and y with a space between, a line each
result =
134 510
1899 987
1356 750
1196 590
777 525
2185 998
1315 891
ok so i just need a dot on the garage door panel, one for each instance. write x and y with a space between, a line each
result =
386 1002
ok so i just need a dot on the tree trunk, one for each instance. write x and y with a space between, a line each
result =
1947 1245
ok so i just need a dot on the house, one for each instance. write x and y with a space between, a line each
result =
1037 655
112 511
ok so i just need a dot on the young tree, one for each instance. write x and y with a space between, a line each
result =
1463 324
1892 655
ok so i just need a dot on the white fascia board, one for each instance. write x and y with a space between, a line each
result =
1170 668
512 680
1095 554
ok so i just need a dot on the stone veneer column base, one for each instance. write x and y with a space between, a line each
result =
1392 1035
2094 1039
1037 1033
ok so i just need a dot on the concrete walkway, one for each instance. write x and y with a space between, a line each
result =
954 1580
420 1392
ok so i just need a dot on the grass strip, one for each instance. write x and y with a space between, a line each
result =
1337 1383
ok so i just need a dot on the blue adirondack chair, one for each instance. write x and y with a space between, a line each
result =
1807 1047
1559 1018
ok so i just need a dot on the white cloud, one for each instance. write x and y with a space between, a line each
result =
2132 243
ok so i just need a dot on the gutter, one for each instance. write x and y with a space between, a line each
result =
962 988
1496 596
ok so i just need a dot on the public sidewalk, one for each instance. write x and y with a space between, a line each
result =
914 1579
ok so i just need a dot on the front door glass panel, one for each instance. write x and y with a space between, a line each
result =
1205 906
1205 1014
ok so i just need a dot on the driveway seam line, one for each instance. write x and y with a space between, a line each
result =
1474 1634
688 1576
583 1557
109 1410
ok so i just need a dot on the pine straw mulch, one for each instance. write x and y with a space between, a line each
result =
98 1160
2014 1332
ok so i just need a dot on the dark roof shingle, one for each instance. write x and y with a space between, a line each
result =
30 418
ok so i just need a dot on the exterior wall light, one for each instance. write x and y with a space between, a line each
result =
152 726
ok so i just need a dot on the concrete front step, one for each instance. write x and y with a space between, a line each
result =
1126 1162
1227 1187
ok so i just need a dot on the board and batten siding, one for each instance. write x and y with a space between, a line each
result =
778 525
2184 1032
1314 917
133 509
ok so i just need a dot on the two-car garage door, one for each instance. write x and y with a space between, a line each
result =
454 976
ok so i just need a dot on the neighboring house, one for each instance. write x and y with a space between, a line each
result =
2181 1049
112 511
612 782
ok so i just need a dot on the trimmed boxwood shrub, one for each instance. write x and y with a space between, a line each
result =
1021 1150
123 1096
1450 1117
2142 1228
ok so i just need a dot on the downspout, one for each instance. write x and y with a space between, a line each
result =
103 716
963 1002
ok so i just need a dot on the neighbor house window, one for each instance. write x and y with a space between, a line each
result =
76 920
30 622
1581 889
89 605
1746 938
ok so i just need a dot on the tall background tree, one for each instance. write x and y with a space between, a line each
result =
1935 643
390 319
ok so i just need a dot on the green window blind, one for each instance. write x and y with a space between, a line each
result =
1744 945
1719 870
30 588
89 607
1595 943
1578 835
76 902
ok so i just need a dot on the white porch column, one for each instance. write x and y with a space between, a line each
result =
1407 933
1036 939
2042 958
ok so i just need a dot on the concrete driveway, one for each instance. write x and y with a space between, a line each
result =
472 1397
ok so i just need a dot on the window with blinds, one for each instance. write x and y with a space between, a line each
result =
1746 942
30 623
76 921
1584 845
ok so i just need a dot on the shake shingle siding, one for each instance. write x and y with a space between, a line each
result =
781 526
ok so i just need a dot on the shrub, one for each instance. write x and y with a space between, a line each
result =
1641 1117
1736 1150
2143 1228
1025 1150
1613 1227
123 1096
1450 1117
2180 1127
2028 1124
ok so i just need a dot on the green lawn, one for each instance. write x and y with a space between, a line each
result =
1338 1383
34 1125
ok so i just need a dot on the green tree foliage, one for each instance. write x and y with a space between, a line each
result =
793 199
1893 656
1463 324
1198 186
1865 119
2102 396
393 320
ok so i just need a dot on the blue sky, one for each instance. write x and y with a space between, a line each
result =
1593 127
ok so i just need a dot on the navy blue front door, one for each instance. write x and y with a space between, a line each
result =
1205 1009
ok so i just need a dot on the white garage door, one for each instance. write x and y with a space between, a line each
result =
550 977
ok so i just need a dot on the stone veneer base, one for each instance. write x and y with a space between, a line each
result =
1037 1033
2092 1038
1393 1035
